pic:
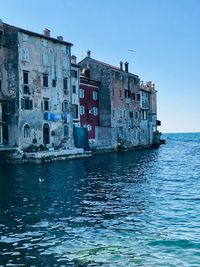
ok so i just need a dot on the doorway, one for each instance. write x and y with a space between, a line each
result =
46 134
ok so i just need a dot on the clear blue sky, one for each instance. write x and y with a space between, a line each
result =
164 33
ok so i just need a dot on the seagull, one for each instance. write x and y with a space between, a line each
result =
130 50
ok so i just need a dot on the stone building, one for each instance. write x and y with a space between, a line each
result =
127 109
35 89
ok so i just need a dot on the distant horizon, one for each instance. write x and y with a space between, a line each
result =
179 132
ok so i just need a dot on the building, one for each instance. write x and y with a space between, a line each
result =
75 83
35 89
127 110
89 103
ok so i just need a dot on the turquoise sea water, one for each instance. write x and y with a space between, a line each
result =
130 209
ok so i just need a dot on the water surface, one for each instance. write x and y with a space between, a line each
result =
130 209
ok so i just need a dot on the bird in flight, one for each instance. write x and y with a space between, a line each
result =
131 50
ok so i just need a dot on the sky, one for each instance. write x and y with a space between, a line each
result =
164 34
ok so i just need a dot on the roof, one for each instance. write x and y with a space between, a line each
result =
76 65
39 35
110 66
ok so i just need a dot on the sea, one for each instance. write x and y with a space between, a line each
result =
139 208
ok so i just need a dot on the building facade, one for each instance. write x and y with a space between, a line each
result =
35 89
127 111
75 85
89 103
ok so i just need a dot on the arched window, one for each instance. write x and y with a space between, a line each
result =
26 131
66 131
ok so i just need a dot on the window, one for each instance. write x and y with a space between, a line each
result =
131 114
66 131
138 97
82 110
74 89
127 93
25 77
26 103
54 83
27 90
45 59
65 106
144 114
65 64
74 73
89 127
0 85
75 111
45 80
113 113
133 96
94 95
26 131
81 93
95 111
46 104
1 137
25 55
65 85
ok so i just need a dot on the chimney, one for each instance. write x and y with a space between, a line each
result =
121 65
60 38
149 84
126 66
73 59
46 32
88 53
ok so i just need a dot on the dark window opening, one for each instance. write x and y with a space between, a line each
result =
53 83
74 89
138 97
131 114
45 80
65 106
127 93
25 77
75 111
133 96
26 103
65 86
27 90
0 85
74 74
46 104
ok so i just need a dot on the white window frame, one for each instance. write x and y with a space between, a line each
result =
95 111
89 127
82 110
94 95
82 93
25 55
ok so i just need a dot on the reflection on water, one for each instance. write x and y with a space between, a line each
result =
130 209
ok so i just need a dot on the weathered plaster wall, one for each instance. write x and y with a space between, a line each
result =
44 57
9 79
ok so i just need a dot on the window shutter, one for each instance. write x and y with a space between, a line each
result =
31 104
22 103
